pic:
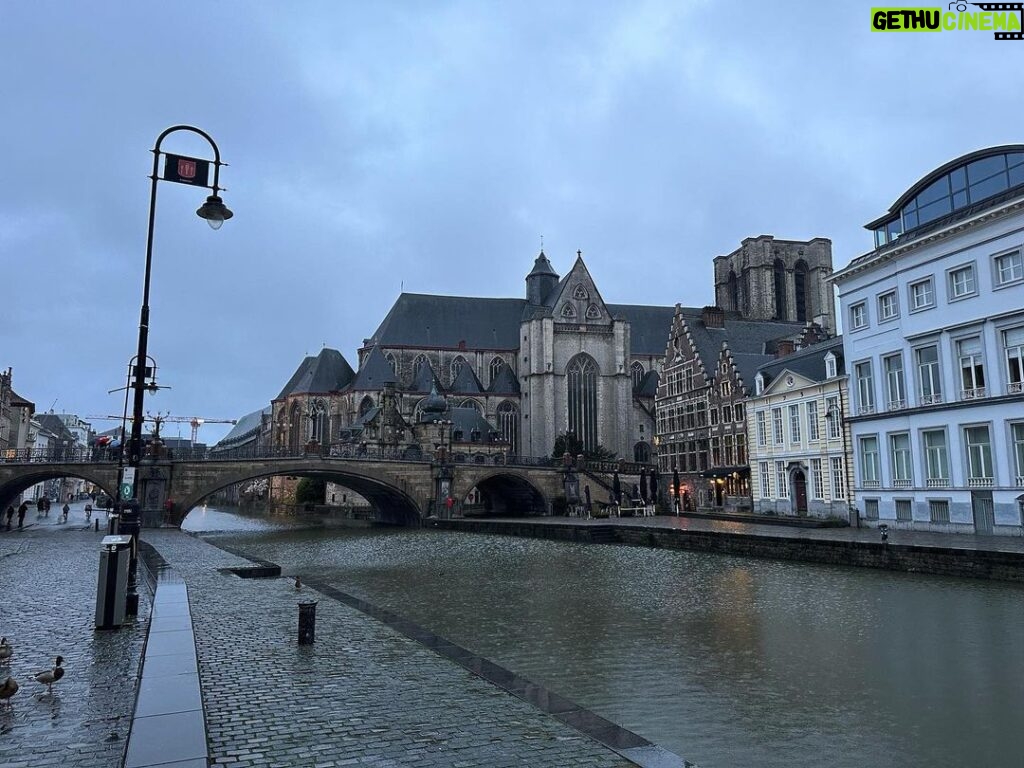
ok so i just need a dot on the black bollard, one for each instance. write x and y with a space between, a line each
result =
307 623
97 525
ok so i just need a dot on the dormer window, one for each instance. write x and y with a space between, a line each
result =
759 384
568 310
579 292
593 313
830 366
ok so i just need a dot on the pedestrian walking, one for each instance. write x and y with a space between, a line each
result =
46 506
65 510
88 512
21 513
586 495
10 516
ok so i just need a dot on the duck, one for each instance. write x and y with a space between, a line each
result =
298 583
7 690
51 676
6 650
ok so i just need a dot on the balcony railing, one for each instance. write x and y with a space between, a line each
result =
1015 387
897 405
938 482
865 410
871 484
935 399
1020 481
902 483
980 482
972 394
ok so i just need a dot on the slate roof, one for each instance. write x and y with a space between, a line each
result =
466 382
649 327
450 322
468 419
245 428
505 383
542 267
809 362
425 379
327 372
55 426
375 372
648 385
19 401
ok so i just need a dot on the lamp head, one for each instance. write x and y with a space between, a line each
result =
214 211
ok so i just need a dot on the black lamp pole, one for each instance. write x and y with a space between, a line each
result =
215 213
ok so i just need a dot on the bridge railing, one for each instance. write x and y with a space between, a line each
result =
58 455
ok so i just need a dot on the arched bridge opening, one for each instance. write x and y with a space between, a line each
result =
390 505
15 484
506 494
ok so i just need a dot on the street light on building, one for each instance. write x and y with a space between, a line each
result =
183 170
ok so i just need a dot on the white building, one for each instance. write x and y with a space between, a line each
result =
934 345
798 435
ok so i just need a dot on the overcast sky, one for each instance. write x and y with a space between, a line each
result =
433 144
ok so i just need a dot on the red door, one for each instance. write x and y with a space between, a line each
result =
800 492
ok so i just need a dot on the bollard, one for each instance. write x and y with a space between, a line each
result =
307 623
112 524
97 525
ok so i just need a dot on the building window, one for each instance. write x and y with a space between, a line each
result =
508 425
1018 453
871 509
895 384
456 366
899 450
904 510
568 310
593 313
714 417
922 295
794 424
962 282
741 448
1009 268
637 369
936 458
777 426
781 481
716 452
579 292
812 420
838 478
830 366
938 510
581 383
858 316
417 364
817 479
727 414
766 480
887 307
865 388
391 361
972 368
1013 344
979 456
780 290
758 384
726 388
800 286
870 471
729 454
833 417
365 405
929 377
762 428
739 411
495 368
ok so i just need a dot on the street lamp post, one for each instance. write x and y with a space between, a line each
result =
184 170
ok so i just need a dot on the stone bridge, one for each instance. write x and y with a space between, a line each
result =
400 491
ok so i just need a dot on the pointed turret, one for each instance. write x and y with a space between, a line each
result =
541 280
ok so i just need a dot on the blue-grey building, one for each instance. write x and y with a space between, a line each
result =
934 346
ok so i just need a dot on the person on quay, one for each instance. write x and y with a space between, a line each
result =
21 513
65 510
10 516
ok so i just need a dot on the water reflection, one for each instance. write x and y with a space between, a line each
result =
206 519
729 662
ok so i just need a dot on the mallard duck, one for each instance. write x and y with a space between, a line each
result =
51 676
6 651
8 689
298 583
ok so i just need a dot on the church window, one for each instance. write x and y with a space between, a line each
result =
637 369
780 290
642 453
734 292
581 382
418 363
456 366
508 425
568 310
593 313
579 292
800 284
317 415
391 361
470 403
365 405
295 426
496 366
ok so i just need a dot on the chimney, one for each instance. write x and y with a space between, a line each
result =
713 317
784 347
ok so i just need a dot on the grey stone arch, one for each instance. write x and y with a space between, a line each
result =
802 296
642 452
732 291
507 421
798 472
582 376
504 493
780 289
391 504
17 483
365 405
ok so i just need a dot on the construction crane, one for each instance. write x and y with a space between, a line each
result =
193 421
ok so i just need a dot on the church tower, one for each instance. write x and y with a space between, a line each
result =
769 279
541 281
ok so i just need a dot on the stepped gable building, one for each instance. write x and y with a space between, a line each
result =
712 358
933 322
769 279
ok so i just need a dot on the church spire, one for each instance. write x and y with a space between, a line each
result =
541 280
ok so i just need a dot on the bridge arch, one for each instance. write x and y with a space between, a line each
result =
391 504
505 492
16 480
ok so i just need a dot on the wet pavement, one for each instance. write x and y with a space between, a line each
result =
48 573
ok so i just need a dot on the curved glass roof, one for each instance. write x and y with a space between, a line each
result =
964 182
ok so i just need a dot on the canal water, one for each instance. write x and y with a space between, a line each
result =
723 660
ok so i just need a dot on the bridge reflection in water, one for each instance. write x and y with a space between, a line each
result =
727 661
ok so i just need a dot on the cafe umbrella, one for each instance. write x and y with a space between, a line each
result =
675 485
616 487
643 484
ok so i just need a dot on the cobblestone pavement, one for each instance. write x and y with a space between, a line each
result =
361 695
48 577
